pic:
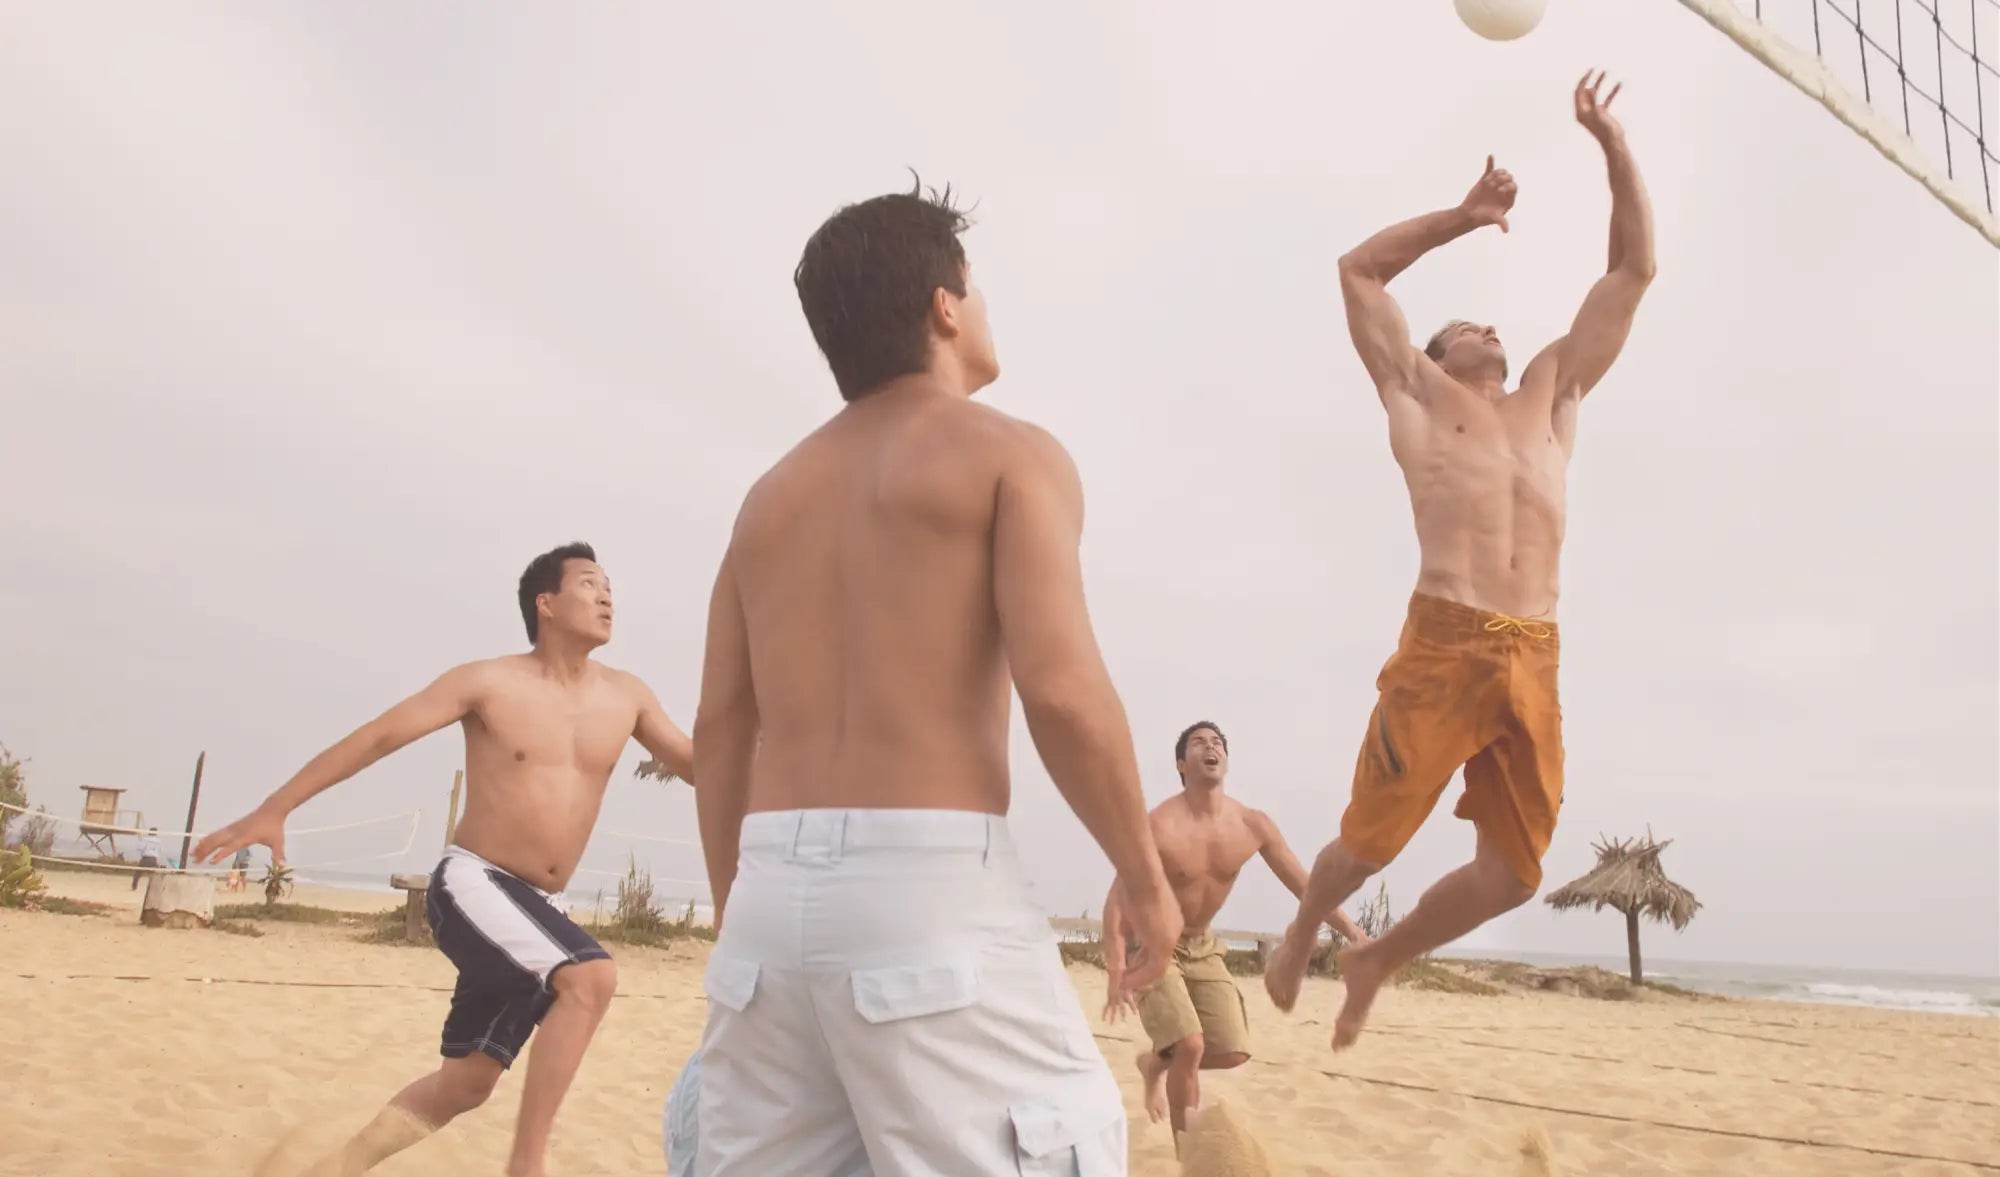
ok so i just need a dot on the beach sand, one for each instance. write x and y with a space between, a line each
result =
137 1051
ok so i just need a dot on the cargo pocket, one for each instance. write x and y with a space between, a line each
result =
938 985
1081 1139
729 982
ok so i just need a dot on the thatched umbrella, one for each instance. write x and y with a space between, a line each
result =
1628 876
655 770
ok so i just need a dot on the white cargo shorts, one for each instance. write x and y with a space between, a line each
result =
886 1000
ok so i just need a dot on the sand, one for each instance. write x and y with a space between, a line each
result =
131 1051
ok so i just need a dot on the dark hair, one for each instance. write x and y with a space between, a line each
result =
544 575
1180 745
866 280
1435 348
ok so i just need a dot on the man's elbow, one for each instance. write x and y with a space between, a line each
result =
1066 702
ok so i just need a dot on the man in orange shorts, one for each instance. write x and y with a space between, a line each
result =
1473 680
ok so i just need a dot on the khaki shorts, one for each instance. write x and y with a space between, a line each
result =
1196 996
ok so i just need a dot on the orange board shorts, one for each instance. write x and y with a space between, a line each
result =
1469 688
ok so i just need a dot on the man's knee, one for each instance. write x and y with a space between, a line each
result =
465 1083
1505 884
1186 1054
590 984
1341 861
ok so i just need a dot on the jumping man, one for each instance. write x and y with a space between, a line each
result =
1473 681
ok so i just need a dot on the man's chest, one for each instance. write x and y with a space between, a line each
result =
1194 855
587 731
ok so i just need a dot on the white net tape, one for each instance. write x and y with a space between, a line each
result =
408 819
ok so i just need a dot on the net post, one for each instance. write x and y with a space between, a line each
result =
451 813
194 799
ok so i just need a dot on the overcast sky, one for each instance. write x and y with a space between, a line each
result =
320 321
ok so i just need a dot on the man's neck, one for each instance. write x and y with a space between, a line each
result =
561 661
940 380
1202 801
1488 384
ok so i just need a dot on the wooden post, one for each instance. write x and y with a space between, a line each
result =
178 901
194 799
451 814
1632 941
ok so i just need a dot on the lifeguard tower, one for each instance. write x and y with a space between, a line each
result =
102 818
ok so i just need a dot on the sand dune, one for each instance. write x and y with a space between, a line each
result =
137 1051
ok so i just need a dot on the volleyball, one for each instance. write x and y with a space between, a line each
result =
1501 20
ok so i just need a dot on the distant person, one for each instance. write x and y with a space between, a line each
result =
886 995
1473 679
149 855
543 730
239 871
1194 1016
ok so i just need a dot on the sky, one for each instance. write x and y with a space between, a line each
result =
317 322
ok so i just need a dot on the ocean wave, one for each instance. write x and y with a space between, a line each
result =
1934 1000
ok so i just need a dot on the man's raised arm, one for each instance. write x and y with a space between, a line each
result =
446 701
1605 320
1277 854
1073 712
1381 334
657 733
725 736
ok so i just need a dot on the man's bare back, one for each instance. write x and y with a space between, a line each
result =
864 562
885 585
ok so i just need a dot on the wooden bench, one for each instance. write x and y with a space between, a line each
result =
416 890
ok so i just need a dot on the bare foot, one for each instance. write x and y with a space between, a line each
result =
1285 972
1153 1069
1361 973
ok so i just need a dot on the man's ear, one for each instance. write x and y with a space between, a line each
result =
944 313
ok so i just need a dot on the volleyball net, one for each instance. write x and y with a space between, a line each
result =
1916 79
91 845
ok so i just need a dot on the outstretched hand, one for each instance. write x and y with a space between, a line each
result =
1594 112
259 828
1491 198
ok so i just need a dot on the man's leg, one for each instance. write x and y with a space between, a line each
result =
456 1087
1170 1021
1336 875
583 993
1183 1075
1456 904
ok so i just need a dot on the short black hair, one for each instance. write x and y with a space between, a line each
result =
544 575
1180 745
866 280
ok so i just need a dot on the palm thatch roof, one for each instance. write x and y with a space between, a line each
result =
1629 878
655 770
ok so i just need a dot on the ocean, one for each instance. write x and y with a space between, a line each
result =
1878 989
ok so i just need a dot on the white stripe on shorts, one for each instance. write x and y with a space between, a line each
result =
497 918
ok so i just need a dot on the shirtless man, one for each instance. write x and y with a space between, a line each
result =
1473 681
886 996
543 730
1194 1015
